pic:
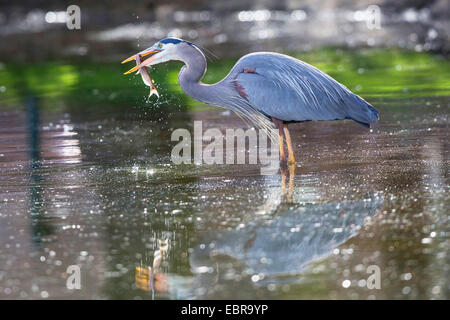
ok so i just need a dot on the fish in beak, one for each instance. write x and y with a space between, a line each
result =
143 71
146 78
142 54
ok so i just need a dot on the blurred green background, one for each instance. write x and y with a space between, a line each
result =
405 55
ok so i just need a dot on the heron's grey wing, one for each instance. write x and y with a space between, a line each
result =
291 90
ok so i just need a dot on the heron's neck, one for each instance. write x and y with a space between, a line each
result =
190 76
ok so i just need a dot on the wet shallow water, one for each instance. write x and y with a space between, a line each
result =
101 192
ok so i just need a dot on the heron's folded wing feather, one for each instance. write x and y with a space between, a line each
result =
292 90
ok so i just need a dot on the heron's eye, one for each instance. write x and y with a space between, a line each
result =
159 45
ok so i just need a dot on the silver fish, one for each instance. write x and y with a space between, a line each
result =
146 77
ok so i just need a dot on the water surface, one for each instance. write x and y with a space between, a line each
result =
86 179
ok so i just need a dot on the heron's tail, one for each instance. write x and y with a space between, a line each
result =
362 112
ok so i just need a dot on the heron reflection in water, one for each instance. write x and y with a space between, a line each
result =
278 246
152 278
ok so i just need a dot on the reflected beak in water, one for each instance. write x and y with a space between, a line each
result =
142 54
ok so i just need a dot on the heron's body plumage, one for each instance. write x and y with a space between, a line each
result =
291 90
265 88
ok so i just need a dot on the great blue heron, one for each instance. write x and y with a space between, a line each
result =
264 87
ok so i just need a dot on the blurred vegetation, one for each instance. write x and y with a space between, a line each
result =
370 73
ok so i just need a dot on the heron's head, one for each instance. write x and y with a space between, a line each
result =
164 50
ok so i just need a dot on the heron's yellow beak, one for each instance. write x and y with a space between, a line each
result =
145 53
133 69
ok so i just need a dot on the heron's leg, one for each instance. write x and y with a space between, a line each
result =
281 143
291 182
291 158
283 181
290 191
279 125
